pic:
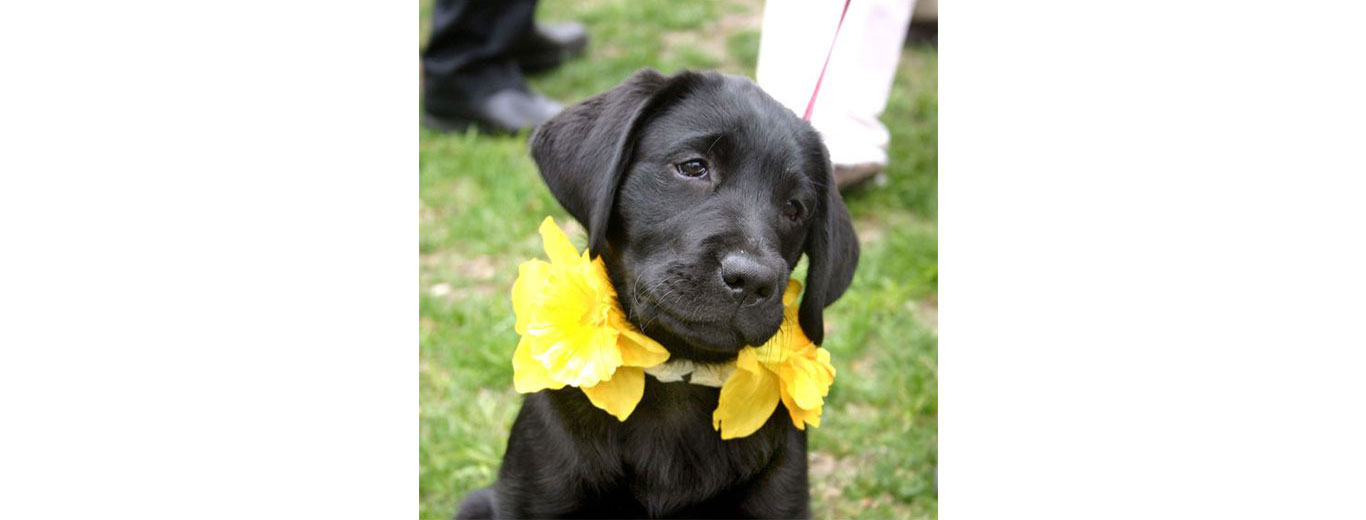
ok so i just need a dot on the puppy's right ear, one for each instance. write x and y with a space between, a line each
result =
584 151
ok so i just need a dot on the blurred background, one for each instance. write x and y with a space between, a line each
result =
481 200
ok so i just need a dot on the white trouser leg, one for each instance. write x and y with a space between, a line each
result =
795 37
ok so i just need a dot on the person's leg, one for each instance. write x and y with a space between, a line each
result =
549 45
466 56
468 73
793 43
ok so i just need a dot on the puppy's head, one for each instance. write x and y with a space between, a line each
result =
702 193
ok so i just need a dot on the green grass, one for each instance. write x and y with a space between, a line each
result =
481 200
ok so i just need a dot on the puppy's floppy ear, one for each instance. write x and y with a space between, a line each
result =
832 254
584 151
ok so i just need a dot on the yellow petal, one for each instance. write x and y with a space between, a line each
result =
802 385
531 277
638 350
794 412
595 273
794 289
782 344
823 357
582 356
806 378
527 374
747 398
557 244
562 304
620 394
801 417
823 361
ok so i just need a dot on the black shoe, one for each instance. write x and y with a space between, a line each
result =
546 46
506 111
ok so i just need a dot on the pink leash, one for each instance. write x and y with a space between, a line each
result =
815 92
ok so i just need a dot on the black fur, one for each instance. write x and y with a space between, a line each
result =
612 161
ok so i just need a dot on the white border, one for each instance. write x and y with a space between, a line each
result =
1152 222
208 218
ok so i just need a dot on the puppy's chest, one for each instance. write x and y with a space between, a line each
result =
673 444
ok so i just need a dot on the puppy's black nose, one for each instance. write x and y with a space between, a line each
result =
749 280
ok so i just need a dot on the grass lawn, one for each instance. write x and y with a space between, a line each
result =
875 453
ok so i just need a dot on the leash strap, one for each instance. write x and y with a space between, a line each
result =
816 91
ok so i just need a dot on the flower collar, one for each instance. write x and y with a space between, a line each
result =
574 333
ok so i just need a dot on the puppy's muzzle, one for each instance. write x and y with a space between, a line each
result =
756 284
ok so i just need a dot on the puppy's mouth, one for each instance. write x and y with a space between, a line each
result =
725 329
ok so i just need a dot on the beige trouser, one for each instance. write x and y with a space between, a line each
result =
795 38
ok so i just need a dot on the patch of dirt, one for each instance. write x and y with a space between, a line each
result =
572 228
712 38
445 290
427 214
869 230
874 228
479 268
829 475
860 412
863 366
607 52
876 502
475 290
472 275
926 312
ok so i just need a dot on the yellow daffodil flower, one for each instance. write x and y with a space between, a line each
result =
574 332
788 367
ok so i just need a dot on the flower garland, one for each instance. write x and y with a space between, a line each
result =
574 333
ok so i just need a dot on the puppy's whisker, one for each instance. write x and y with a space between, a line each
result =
635 298
638 288
713 143
643 323
662 301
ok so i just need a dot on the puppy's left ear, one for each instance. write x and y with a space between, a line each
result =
832 252
584 151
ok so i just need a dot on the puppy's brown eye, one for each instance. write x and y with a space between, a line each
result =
794 210
695 168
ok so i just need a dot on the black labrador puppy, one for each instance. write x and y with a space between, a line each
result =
701 193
